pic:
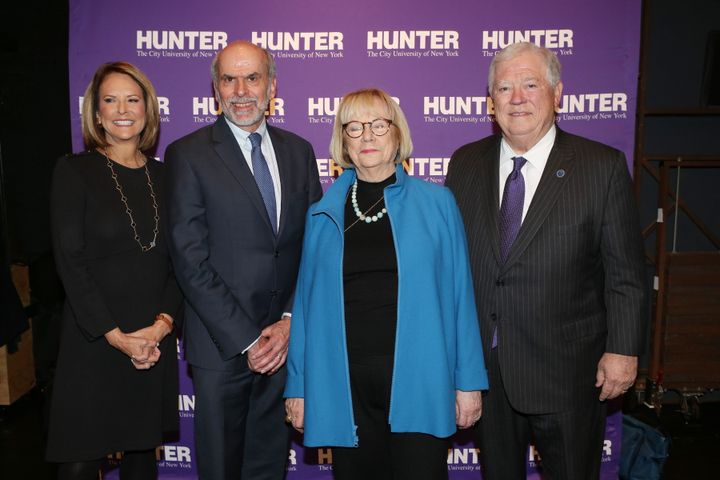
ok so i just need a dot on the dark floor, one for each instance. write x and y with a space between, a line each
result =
695 441
694 450
22 439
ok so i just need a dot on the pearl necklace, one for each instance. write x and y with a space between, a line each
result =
364 217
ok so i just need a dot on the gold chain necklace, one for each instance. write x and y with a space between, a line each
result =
123 198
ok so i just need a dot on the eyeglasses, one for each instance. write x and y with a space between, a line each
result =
379 127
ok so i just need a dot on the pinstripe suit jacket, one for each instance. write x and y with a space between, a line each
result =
573 285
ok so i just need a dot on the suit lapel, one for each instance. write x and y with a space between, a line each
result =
487 182
282 156
229 152
553 180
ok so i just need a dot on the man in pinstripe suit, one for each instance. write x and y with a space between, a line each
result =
559 279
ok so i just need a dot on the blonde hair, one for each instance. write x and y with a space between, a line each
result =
355 102
94 133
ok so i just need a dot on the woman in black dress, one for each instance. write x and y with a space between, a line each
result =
115 387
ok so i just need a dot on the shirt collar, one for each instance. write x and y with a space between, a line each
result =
537 156
242 136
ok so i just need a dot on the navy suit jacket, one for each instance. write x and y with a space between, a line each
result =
236 274
573 286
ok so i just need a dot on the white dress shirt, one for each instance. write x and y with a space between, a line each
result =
536 158
243 139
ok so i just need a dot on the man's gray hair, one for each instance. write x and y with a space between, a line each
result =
269 59
511 51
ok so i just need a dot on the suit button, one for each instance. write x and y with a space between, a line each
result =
277 254
500 282
273 293
493 317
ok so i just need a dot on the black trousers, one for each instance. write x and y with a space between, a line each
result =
382 455
569 442
240 430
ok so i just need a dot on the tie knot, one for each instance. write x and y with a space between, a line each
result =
255 139
518 163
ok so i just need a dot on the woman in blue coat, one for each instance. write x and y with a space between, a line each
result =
385 360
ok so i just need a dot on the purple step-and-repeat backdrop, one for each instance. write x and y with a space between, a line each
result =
433 56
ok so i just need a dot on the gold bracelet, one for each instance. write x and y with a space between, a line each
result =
161 317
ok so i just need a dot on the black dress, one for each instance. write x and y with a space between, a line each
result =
101 403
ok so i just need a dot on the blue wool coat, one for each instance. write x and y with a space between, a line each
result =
437 345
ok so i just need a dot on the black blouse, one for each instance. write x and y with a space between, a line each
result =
369 276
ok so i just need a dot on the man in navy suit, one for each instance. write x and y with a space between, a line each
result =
558 266
238 193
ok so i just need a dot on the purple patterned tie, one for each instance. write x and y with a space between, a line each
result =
511 208
510 216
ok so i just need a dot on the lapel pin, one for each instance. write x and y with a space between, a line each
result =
560 173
